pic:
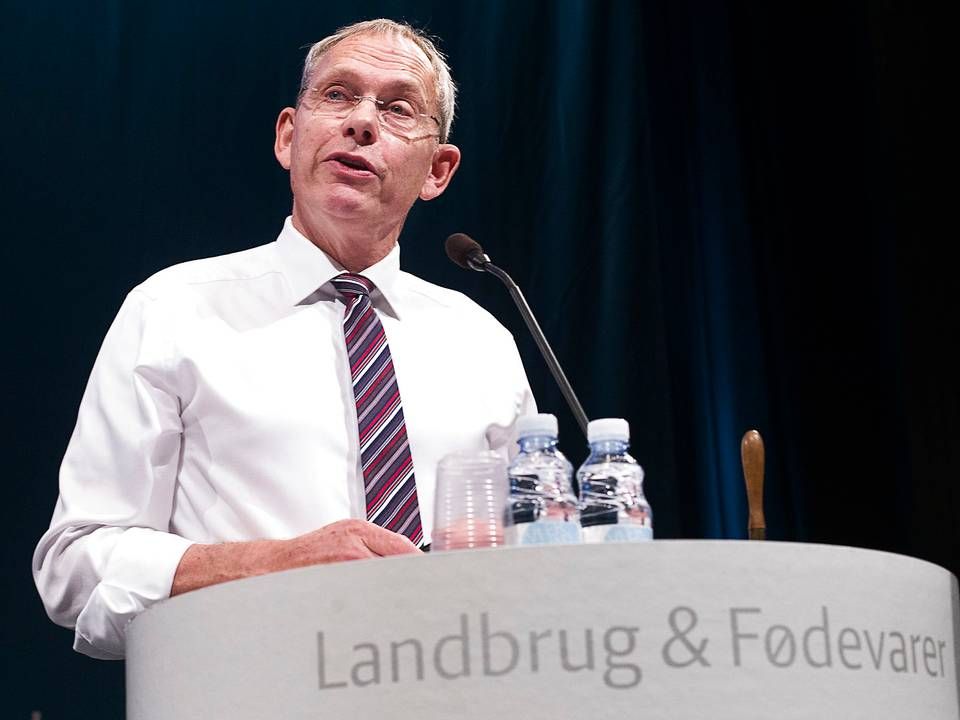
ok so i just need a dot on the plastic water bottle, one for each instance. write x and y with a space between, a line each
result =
542 509
612 505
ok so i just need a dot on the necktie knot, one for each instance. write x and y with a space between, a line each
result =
350 285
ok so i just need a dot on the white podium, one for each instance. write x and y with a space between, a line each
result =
668 629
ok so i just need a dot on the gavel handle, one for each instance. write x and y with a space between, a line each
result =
752 458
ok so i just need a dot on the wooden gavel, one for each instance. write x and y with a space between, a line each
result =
751 457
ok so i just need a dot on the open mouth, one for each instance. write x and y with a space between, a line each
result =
353 163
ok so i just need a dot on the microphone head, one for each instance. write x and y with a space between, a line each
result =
462 249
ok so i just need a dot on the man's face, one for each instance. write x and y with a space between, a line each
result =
351 168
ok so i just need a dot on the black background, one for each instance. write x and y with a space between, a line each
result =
725 216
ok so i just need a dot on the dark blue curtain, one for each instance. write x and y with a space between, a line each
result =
725 216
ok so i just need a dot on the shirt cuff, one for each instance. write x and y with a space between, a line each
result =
138 574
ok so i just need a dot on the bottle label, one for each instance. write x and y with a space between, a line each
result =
544 532
617 533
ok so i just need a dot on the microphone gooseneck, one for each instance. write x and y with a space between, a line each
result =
467 253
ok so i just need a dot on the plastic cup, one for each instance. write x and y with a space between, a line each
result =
471 495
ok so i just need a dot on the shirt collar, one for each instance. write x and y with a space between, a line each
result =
308 270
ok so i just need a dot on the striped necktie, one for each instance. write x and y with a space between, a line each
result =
389 483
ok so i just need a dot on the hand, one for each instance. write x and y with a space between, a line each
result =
204 565
342 540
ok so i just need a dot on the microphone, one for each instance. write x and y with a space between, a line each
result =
467 253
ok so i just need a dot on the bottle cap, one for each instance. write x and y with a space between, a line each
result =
539 424
608 429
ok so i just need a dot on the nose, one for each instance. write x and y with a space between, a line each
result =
363 122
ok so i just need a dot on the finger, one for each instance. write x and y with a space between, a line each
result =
383 542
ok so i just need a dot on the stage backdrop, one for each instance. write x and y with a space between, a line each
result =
722 214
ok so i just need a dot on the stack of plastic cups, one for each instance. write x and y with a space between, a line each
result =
471 496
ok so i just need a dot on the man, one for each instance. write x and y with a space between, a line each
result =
287 405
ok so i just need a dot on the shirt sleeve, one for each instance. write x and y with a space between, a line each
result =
503 438
108 553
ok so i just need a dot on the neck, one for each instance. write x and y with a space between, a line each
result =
354 246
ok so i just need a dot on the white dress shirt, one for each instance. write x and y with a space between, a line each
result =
221 408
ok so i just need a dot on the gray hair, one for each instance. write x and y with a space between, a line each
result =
446 90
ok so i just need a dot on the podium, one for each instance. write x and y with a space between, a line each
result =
666 629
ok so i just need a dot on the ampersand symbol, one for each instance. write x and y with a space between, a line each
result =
680 635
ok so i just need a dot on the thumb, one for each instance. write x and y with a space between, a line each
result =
384 542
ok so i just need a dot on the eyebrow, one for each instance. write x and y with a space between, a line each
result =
398 86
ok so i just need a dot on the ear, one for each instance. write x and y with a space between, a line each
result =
284 137
446 160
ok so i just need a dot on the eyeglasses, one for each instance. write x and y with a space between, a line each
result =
398 117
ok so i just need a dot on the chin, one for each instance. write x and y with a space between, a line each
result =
346 210
346 203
